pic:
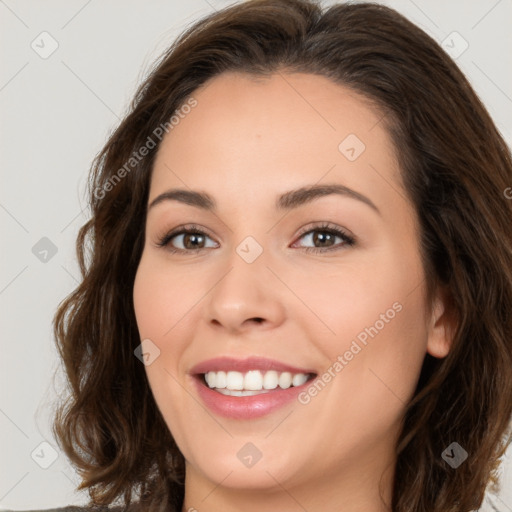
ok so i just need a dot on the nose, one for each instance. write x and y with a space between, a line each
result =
247 296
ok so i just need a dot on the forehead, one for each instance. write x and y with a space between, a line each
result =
283 131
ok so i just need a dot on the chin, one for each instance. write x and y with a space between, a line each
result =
267 473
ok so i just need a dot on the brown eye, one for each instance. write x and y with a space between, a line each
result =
190 238
324 238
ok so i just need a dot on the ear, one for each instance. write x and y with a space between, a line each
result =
442 325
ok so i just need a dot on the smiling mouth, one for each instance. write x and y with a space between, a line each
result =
253 382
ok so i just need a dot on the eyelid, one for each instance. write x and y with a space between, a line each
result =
328 226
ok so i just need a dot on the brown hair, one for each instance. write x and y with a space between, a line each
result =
455 173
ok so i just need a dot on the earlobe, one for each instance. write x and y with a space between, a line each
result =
441 326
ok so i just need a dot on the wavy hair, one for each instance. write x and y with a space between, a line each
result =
455 174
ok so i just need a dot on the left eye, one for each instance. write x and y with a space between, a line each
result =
325 236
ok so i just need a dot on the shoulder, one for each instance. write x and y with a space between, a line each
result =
134 507
70 508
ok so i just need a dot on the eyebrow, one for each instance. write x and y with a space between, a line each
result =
287 201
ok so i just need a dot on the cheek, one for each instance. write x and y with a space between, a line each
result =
372 332
375 298
162 298
382 343
165 303
161 304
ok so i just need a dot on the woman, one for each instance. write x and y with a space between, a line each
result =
218 363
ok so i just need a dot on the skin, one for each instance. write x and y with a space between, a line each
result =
246 142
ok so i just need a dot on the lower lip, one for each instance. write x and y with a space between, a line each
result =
247 407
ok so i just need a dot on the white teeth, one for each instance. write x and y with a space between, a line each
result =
252 382
270 380
285 380
299 379
234 380
220 380
241 393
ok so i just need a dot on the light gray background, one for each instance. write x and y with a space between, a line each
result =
56 114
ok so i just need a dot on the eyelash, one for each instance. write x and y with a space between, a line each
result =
196 230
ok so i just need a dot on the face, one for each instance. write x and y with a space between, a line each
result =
329 286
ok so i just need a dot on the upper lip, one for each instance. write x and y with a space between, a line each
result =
226 363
